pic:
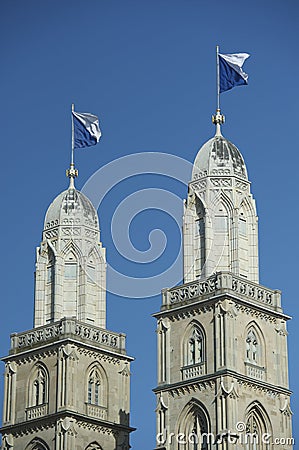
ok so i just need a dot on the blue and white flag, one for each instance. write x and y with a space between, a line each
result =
230 70
86 129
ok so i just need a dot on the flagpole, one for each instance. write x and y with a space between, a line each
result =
218 118
218 78
72 153
72 173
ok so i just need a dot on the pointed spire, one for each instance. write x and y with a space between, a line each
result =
218 119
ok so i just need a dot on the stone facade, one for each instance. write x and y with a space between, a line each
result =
220 220
222 338
67 381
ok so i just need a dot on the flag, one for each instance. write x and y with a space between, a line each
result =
86 129
230 71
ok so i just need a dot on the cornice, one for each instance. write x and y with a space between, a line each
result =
210 380
49 421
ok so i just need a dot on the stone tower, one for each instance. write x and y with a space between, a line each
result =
67 381
222 338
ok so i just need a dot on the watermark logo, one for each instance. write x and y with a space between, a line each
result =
100 185
164 271
241 435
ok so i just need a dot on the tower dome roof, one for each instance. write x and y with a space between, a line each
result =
219 156
71 204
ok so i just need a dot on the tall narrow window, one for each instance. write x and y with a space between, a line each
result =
195 347
96 393
89 395
70 271
255 430
194 426
252 347
91 274
242 226
50 274
36 392
193 352
39 387
94 385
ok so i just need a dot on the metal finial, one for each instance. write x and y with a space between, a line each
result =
72 173
218 119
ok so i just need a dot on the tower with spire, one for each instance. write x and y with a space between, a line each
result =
67 380
222 337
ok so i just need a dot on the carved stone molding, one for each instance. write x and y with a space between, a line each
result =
256 314
68 425
8 441
98 356
228 307
253 386
221 282
241 185
198 185
97 428
90 233
281 328
227 389
35 412
68 328
221 172
125 371
285 407
191 388
28 429
51 233
70 352
71 221
221 182
33 357
200 174
53 223
191 313
72 231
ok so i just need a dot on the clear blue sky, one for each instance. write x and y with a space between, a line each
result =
147 68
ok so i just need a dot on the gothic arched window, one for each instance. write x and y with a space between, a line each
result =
37 444
195 347
39 386
255 353
193 352
256 429
194 427
94 388
252 347
94 446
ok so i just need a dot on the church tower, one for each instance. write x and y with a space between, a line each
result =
222 338
67 381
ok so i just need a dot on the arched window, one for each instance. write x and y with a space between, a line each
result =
38 394
256 428
194 427
199 238
193 352
255 353
252 347
37 444
94 388
94 446
195 346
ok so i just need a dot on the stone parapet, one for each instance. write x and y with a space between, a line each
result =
221 283
68 328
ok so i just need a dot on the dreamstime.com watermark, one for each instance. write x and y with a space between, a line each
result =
239 436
